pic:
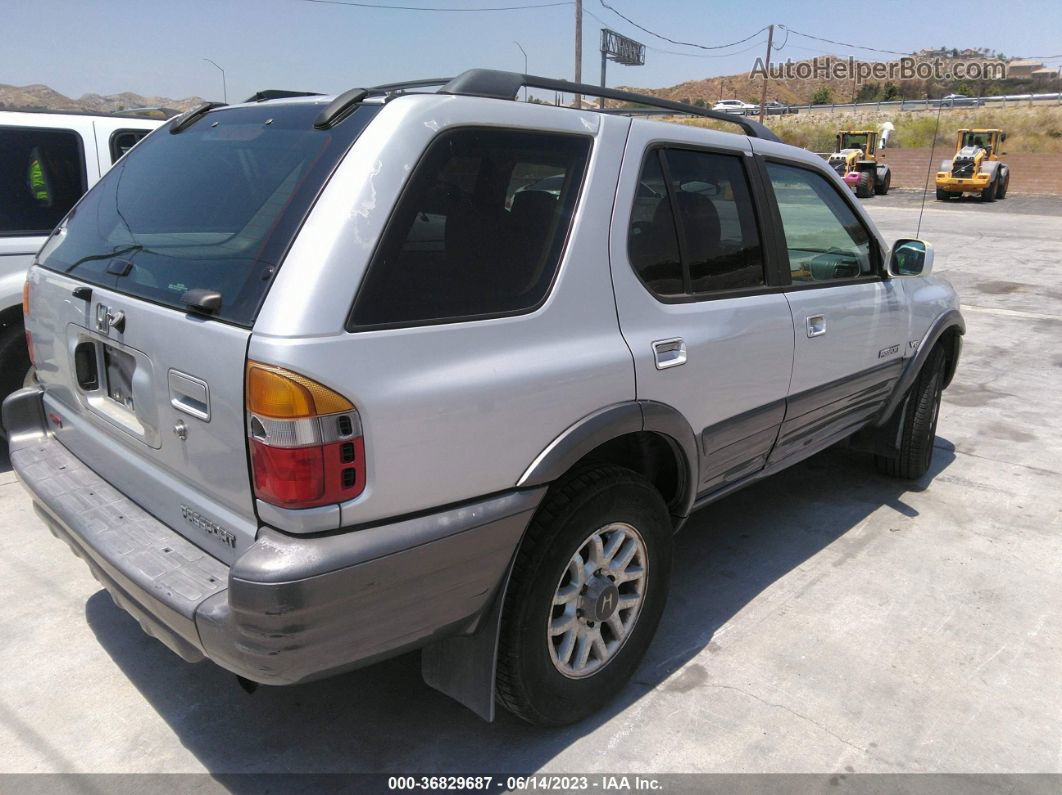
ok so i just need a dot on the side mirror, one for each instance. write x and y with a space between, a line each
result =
911 258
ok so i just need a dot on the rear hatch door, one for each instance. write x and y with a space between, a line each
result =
144 380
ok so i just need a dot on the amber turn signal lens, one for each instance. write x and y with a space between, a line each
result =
25 298
281 394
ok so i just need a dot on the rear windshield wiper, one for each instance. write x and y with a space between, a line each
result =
108 255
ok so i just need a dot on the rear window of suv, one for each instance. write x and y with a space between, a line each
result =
214 206
479 229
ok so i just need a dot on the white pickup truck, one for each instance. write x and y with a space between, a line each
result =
47 161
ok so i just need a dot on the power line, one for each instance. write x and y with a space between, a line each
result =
438 8
650 47
842 43
676 41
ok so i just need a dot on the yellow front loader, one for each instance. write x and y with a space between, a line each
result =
975 167
855 159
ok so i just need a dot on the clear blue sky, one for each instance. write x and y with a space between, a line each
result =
155 48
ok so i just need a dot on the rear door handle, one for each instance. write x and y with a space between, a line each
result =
669 353
816 325
189 394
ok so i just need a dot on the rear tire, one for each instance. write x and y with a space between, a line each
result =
865 186
1004 184
943 195
540 678
920 408
882 188
989 193
15 368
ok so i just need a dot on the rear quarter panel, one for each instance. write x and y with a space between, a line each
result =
455 411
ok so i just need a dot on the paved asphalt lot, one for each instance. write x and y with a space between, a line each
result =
825 620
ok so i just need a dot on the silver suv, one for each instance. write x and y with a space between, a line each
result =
322 380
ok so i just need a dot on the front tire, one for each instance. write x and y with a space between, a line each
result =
943 195
920 408
865 186
882 188
1004 184
585 597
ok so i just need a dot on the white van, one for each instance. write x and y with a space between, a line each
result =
47 161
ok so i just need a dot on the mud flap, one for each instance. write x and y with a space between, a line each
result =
464 666
885 439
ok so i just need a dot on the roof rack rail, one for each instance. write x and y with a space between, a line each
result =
279 93
428 81
506 85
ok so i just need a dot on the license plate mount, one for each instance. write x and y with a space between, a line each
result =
119 368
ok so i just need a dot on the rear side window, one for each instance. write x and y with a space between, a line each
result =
479 230
215 206
124 140
693 228
42 174
824 239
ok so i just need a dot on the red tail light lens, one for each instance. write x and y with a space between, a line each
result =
304 452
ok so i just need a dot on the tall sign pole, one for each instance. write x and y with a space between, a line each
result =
579 49
763 93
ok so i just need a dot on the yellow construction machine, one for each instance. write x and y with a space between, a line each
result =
976 167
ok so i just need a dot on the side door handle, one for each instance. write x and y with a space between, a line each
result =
669 353
816 325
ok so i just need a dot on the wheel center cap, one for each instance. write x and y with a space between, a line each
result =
601 599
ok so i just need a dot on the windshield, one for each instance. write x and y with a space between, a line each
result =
213 207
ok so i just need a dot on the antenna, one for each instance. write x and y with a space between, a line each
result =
929 168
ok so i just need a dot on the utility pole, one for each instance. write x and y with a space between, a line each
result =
763 94
579 49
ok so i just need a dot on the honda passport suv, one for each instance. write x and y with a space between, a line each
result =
323 380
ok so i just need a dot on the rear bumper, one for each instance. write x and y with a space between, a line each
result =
289 609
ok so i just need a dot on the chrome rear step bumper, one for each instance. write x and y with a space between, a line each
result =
291 608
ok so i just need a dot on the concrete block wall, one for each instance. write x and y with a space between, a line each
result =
1029 173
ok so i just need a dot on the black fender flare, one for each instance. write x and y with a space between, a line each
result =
619 419
952 319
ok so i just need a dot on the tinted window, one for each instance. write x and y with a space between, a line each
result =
652 243
721 243
215 206
41 176
124 140
479 229
824 238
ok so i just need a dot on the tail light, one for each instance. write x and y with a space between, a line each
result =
306 441
25 316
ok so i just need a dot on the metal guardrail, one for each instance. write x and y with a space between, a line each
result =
1008 101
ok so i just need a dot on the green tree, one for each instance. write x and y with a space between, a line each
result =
890 92
822 97
868 92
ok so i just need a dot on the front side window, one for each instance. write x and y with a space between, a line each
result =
693 228
41 176
824 238
478 231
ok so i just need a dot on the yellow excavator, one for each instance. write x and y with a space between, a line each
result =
855 158
975 167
